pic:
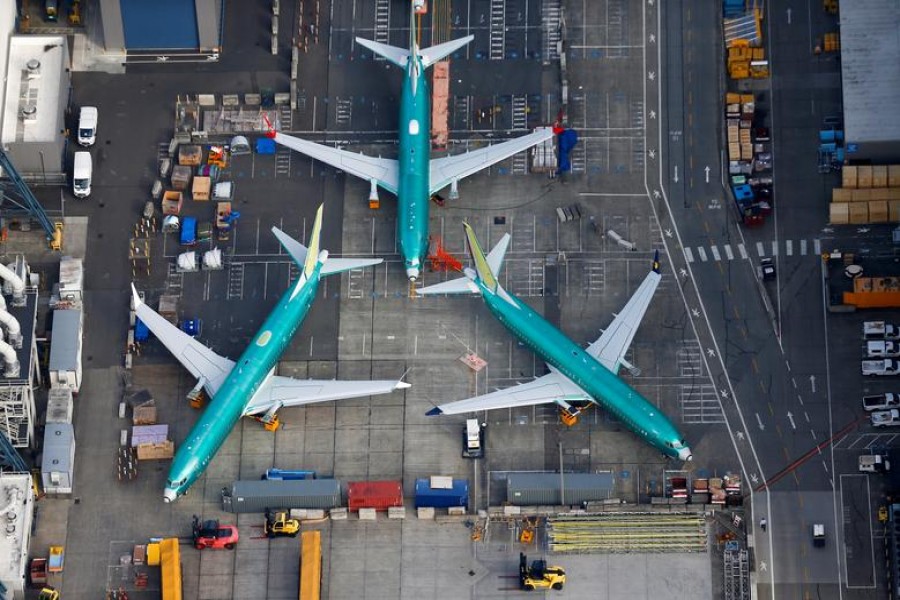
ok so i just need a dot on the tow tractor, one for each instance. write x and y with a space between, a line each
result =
539 576
210 534
278 523
48 593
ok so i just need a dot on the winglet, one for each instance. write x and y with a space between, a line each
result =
270 129
135 296
481 265
656 262
312 254
434 412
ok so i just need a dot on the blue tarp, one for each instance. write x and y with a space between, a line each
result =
141 331
188 231
160 24
567 141
265 145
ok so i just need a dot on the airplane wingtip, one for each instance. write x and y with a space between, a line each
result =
434 412
402 385
135 296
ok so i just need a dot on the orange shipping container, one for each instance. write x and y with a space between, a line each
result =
839 213
848 177
859 213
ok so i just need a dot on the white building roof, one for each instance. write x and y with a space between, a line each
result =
38 90
16 514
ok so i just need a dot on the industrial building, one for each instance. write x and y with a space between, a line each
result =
168 26
870 85
17 513
36 72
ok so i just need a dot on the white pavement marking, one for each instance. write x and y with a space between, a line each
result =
728 253
715 253
688 255
702 253
802 247
743 251
789 248
759 249
774 248
817 247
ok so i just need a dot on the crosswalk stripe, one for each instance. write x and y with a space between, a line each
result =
802 247
759 249
789 248
702 253
728 252
774 248
817 247
715 253
688 255
743 252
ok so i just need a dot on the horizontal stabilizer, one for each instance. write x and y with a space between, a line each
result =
431 55
398 56
297 250
339 265
463 285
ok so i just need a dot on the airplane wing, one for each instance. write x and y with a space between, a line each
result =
202 362
552 387
450 168
278 392
611 347
382 170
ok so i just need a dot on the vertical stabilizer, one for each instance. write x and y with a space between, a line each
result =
312 254
481 264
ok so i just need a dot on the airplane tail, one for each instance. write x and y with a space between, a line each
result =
486 268
307 257
400 56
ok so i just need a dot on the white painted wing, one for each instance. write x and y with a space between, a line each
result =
543 390
194 356
382 170
445 170
611 347
277 392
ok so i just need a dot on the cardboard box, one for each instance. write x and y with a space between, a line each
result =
894 176
862 195
878 211
200 190
734 151
864 176
894 210
841 195
879 176
879 194
158 451
893 193
190 155
839 213
732 98
859 214
848 177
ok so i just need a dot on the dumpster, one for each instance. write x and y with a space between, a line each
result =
188 231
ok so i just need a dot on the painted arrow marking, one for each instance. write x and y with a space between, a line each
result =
790 417
676 174
706 170
759 421
812 383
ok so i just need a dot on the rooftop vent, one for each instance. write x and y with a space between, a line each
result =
33 68
29 113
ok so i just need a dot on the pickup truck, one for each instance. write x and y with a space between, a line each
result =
880 330
881 401
882 349
886 418
885 367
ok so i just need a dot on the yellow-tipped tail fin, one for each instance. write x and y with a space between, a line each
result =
312 253
481 264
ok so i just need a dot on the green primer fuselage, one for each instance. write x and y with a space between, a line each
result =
253 367
607 389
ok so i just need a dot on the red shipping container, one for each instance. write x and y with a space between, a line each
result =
379 495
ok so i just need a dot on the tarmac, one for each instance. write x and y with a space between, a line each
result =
365 325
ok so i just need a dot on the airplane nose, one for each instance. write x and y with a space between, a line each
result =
169 495
412 273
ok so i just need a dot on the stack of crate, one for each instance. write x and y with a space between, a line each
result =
739 56
832 42
868 194
739 109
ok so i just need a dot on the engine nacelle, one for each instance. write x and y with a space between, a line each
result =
454 190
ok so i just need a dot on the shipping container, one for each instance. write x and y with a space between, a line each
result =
255 495
379 495
60 406
442 497
530 489
65 350
58 463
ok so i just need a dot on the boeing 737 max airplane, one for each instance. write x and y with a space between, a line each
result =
249 386
413 176
576 375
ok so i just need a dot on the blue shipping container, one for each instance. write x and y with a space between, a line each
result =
458 495
285 474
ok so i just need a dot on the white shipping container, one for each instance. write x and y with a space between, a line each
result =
58 463
65 350
60 406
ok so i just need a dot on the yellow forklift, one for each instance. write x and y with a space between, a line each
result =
539 576
48 593
279 524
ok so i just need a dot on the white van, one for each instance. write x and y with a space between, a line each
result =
87 126
81 174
